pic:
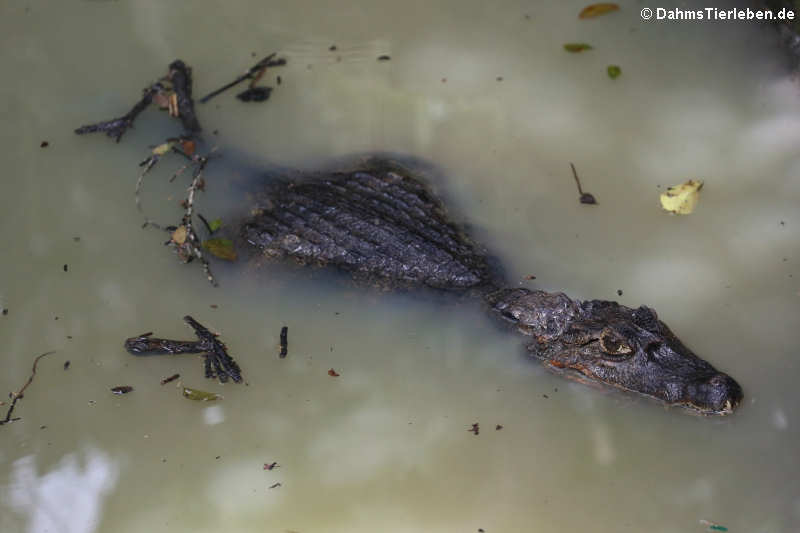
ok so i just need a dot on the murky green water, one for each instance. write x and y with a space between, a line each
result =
385 446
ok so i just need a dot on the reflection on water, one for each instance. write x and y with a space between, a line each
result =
69 498
386 446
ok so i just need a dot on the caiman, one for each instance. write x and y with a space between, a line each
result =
386 227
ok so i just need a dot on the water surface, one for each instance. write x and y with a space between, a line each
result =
485 92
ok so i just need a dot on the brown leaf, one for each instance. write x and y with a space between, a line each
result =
333 373
161 100
187 146
595 10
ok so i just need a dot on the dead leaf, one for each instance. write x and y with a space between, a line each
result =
577 47
333 373
222 248
179 235
187 146
161 100
682 199
595 10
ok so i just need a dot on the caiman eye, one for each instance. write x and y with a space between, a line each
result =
614 345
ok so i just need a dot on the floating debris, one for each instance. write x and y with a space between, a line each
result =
682 199
255 94
498 427
169 379
577 47
333 373
122 389
475 429
595 10
199 395
712 526
222 248
271 466
44 144
66 364
66 267
215 224
284 342
586 198
218 363
384 58
530 277
619 292
275 486
253 74
614 71
16 396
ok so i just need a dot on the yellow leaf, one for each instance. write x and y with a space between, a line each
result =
179 235
162 149
200 395
681 199
595 10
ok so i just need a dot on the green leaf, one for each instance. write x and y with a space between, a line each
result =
614 71
577 47
222 248
200 396
215 224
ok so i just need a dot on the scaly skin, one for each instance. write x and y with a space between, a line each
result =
386 228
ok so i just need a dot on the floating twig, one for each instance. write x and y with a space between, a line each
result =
16 396
218 363
284 342
254 73
586 198
116 127
175 89
122 389
169 379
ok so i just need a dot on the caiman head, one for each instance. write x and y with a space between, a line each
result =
606 342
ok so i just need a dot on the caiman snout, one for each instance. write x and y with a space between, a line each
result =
719 394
